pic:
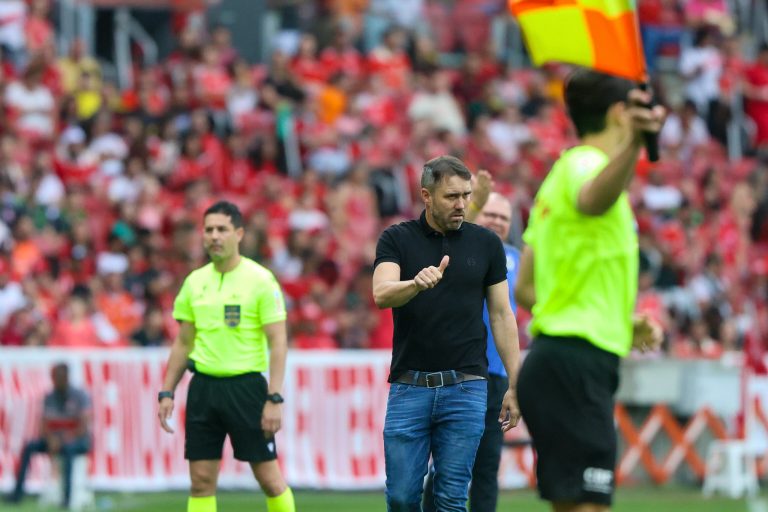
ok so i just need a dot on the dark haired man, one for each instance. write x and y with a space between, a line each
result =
578 275
232 318
435 274
64 432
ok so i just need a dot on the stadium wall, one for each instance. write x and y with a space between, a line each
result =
334 414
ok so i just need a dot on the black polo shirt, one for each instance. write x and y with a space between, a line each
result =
442 328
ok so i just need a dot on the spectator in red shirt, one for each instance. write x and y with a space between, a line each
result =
37 27
212 82
307 67
221 39
756 93
75 328
239 173
192 166
390 60
341 55
72 163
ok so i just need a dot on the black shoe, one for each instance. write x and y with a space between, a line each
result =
12 499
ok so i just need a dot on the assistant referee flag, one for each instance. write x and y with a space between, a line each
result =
598 34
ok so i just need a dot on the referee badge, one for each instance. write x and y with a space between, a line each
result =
232 315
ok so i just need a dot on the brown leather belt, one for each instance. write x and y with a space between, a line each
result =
435 379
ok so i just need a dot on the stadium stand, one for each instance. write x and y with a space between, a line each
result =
102 186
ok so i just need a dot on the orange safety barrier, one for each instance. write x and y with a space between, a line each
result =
683 442
638 443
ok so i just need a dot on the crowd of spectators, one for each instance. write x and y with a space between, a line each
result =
102 188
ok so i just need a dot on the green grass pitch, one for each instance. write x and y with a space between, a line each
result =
641 499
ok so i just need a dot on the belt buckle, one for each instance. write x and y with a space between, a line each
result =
429 385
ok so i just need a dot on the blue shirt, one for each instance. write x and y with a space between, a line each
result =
495 367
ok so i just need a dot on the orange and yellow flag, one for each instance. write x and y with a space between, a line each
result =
599 34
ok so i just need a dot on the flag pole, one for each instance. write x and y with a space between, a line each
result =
651 139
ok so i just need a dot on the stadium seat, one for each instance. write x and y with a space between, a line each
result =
82 496
730 469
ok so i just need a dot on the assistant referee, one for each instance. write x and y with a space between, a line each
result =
232 329
578 276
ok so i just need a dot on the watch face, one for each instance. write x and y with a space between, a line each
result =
275 398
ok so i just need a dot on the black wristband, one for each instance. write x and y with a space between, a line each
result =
164 394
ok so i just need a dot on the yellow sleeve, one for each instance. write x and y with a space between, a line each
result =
270 301
582 168
182 306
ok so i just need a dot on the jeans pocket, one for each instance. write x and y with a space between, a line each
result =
478 388
397 389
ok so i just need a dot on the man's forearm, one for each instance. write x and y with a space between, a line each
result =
504 329
603 191
277 356
525 296
393 294
177 364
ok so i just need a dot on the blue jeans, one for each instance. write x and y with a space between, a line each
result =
67 453
447 422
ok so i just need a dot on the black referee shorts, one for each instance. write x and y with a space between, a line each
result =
566 393
221 406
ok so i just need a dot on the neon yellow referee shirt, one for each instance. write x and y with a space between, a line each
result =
228 311
585 267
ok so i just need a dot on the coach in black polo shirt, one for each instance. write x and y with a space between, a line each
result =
435 273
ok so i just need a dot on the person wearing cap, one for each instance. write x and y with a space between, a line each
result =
436 273
232 330
579 276
64 432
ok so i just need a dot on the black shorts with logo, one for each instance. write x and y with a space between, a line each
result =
566 393
221 406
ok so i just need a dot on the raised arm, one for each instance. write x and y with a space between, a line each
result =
597 195
482 186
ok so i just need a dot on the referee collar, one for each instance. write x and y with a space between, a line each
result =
433 233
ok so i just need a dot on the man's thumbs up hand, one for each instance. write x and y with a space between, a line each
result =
430 276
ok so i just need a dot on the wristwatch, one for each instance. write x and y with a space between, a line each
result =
275 398
164 394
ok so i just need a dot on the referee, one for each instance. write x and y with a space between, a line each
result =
578 276
232 329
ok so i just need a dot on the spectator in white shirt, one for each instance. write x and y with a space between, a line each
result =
435 103
683 132
31 103
13 17
11 295
701 66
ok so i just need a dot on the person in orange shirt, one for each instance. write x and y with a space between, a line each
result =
120 308
332 100
26 254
